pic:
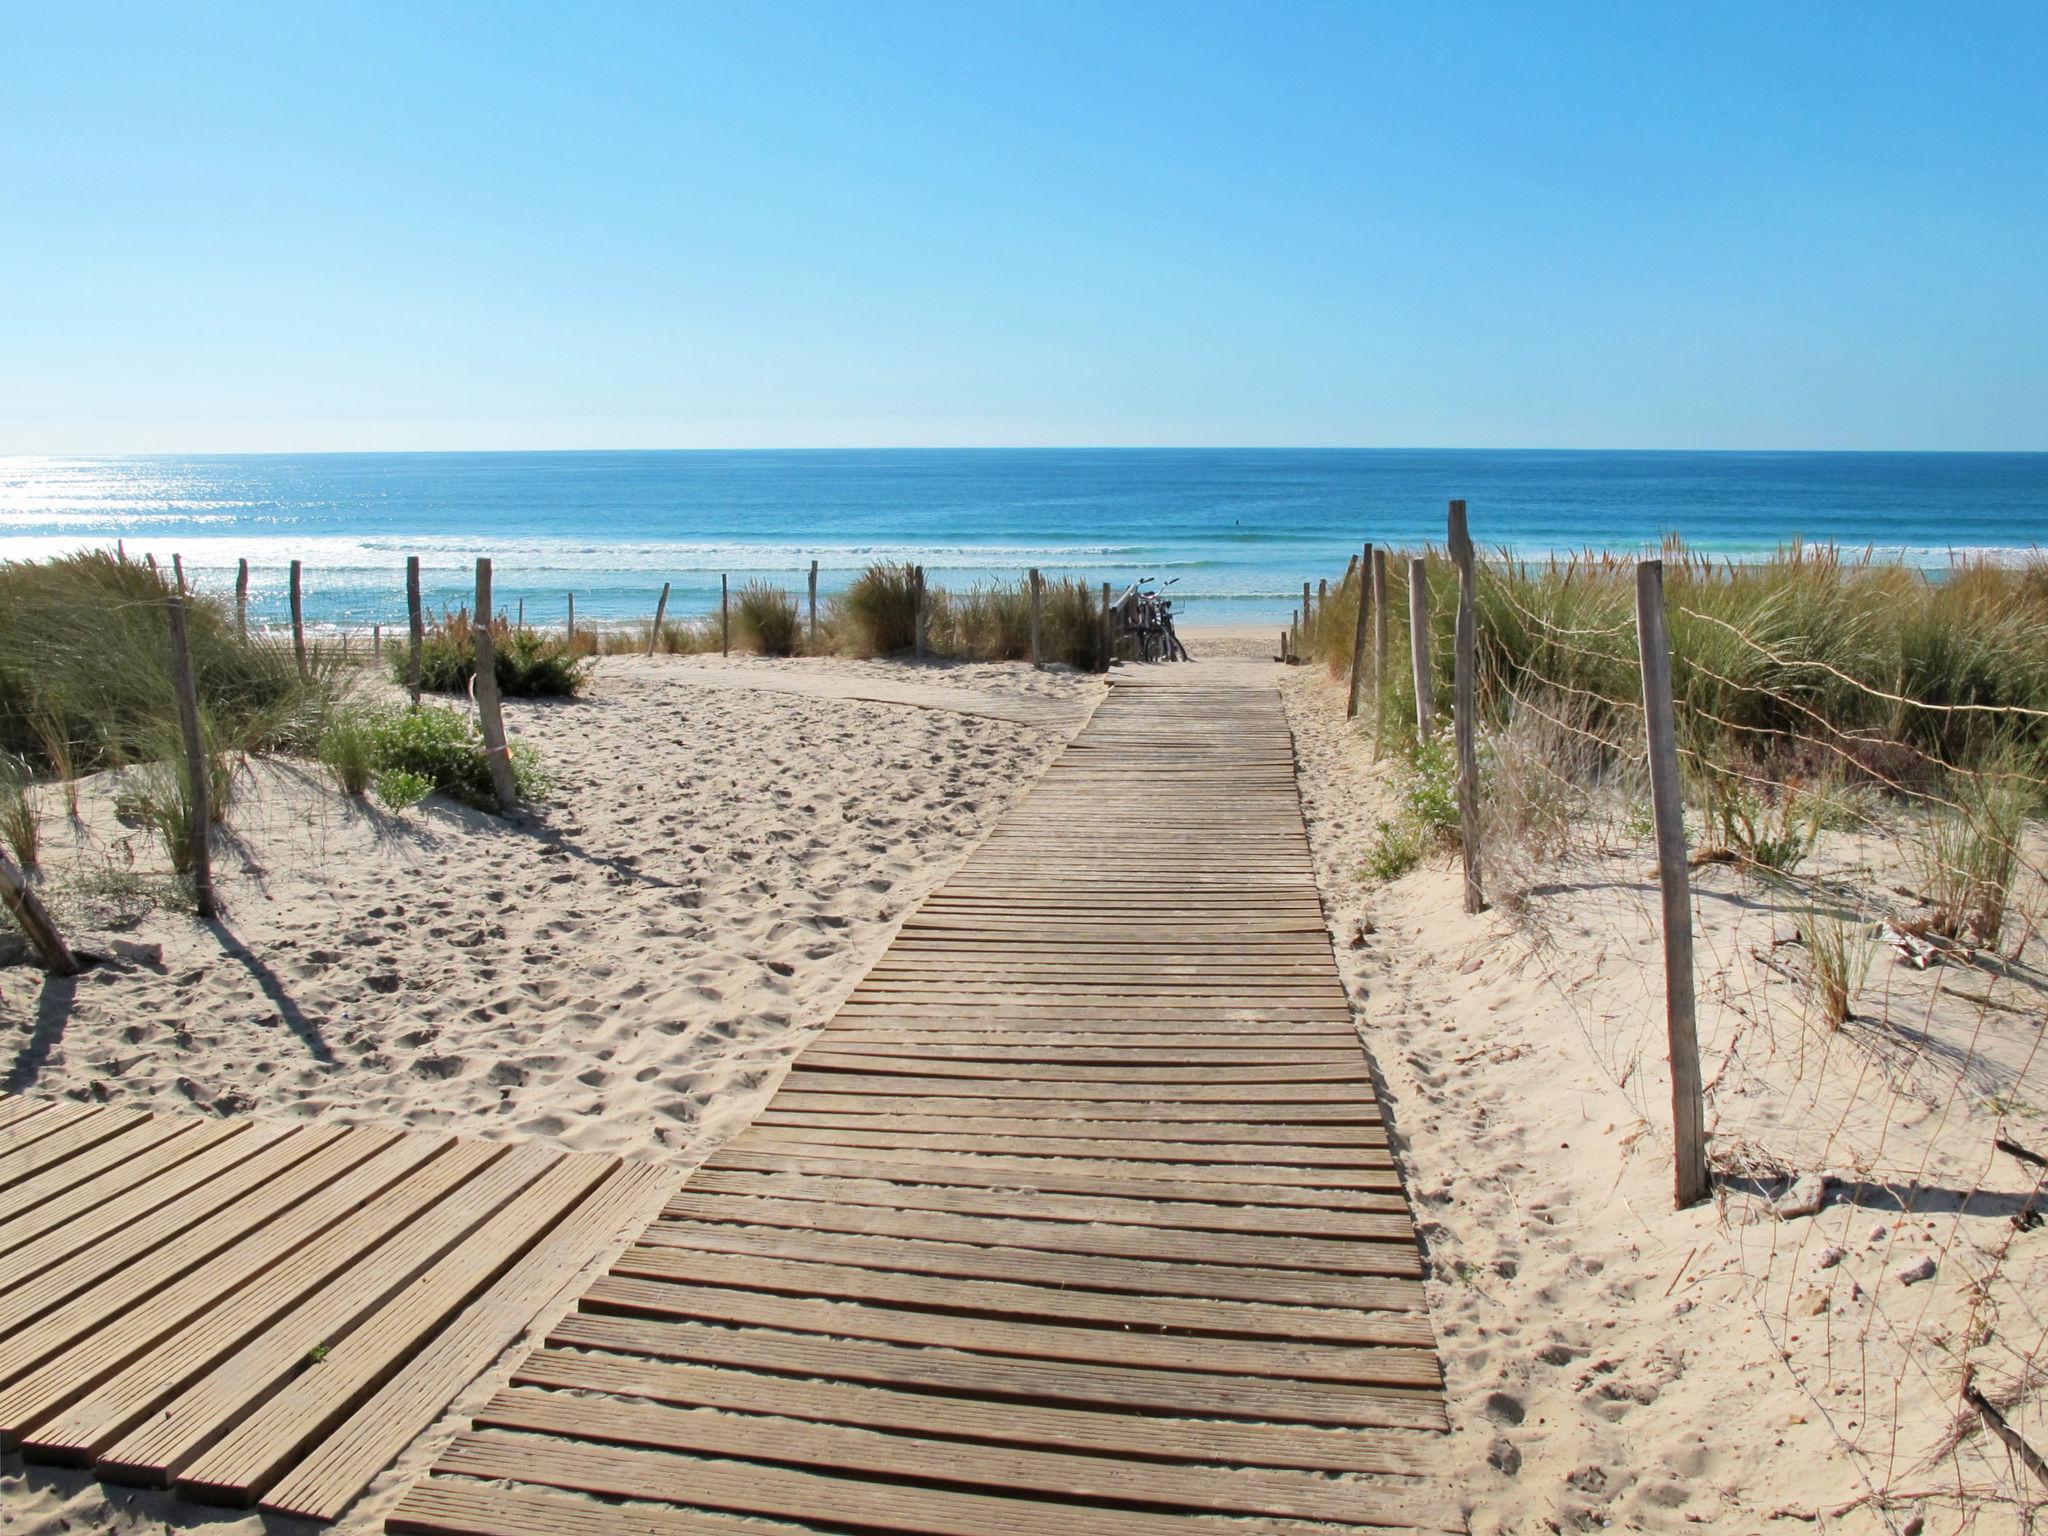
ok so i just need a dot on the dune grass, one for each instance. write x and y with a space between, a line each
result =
85 669
529 663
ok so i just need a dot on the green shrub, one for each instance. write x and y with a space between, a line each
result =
1397 848
1429 792
528 662
441 748
348 748
153 796
400 789
764 619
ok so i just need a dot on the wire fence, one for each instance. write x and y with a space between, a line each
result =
1862 754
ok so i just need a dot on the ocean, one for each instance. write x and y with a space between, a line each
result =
1235 530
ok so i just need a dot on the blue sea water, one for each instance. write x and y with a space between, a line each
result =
1238 530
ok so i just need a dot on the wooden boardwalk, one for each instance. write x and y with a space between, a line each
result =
1078 1219
246 1309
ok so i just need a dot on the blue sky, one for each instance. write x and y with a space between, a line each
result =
764 224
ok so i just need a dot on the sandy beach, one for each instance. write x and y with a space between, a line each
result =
729 845
1611 1362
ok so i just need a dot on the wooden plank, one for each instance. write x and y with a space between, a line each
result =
1073 1176
1178 1125
255 1195
1390 1222
441 1508
1001 1298
785 1493
1202 1180
57 1194
919 1458
194 1420
119 1402
1393 1254
259 1450
1102 1146
994 1377
1294 1360
331 1475
1223 1441
66 1141
1051 1267
48 1272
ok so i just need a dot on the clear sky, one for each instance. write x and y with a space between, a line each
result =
302 226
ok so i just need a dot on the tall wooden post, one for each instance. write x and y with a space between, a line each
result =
917 611
724 615
1307 614
489 707
1106 629
1037 618
814 606
1667 804
572 624
242 599
1464 703
660 609
522 615
1381 652
1418 646
1363 565
199 827
416 627
298 621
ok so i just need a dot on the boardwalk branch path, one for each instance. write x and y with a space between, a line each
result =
1078 1218
249 1310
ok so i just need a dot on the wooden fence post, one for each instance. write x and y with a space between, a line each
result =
917 612
1107 643
242 599
814 605
522 614
198 831
1365 596
1464 705
660 608
29 912
1688 1114
489 708
416 627
572 624
1037 618
376 644
1307 615
1418 646
298 621
724 615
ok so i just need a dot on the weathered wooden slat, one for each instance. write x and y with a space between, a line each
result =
329 1477
263 1446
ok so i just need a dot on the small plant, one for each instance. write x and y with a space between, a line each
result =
51 736
878 612
400 789
528 662
1968 856
1397 848
1641 822
21 825
1430 795
348 749
1773 832
1841 951
153 796
765 619
399 751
